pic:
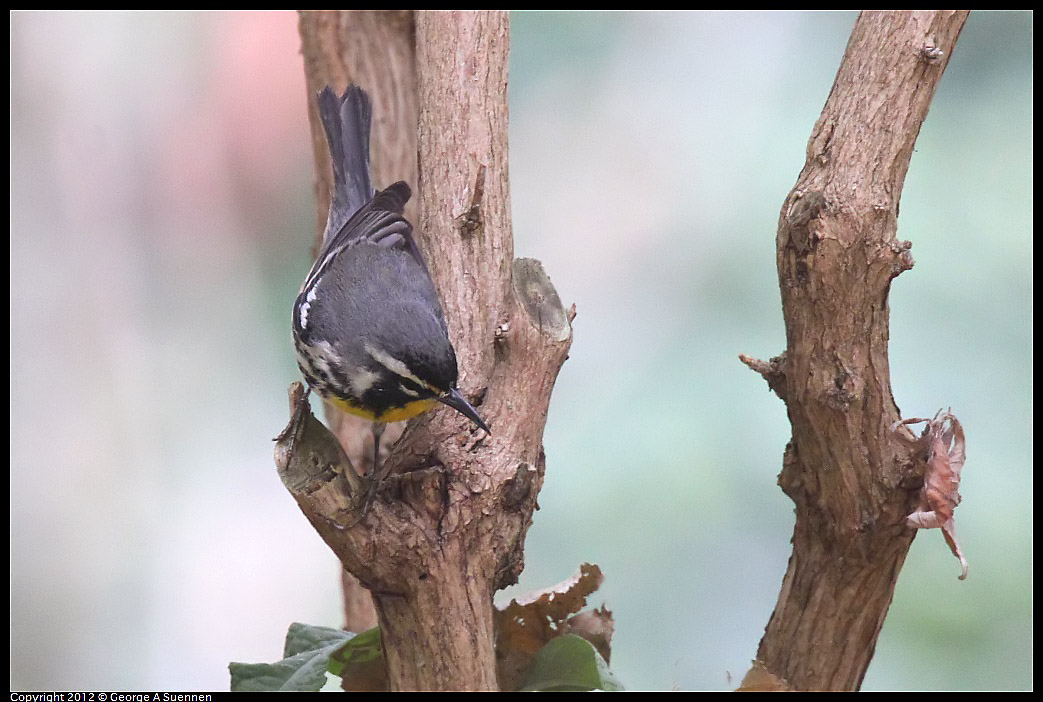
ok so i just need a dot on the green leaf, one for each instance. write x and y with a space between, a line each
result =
569 663
360 663
364 648
305 637
307 650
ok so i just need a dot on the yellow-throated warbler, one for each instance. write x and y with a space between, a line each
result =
368 328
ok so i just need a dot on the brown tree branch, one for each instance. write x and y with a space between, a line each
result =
448 528
853 479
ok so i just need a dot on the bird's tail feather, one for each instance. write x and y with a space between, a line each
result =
347 121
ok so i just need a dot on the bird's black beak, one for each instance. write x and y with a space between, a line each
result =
454 399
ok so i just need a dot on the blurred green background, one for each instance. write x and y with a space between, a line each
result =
161 217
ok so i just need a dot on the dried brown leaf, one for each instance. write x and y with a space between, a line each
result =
944 446
760 679
530 621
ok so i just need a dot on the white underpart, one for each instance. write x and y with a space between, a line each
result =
395 366
319 355
302 359
322 356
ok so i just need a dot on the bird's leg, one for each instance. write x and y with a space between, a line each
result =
378 431
375 476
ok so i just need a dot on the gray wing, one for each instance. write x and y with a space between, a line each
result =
379 222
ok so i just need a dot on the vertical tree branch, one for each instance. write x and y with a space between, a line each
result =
449 527
852 478
466 156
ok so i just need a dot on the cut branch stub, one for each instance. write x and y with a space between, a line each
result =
540 300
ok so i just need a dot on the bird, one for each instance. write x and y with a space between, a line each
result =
369 333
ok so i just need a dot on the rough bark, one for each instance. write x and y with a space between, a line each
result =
448 528
852 477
